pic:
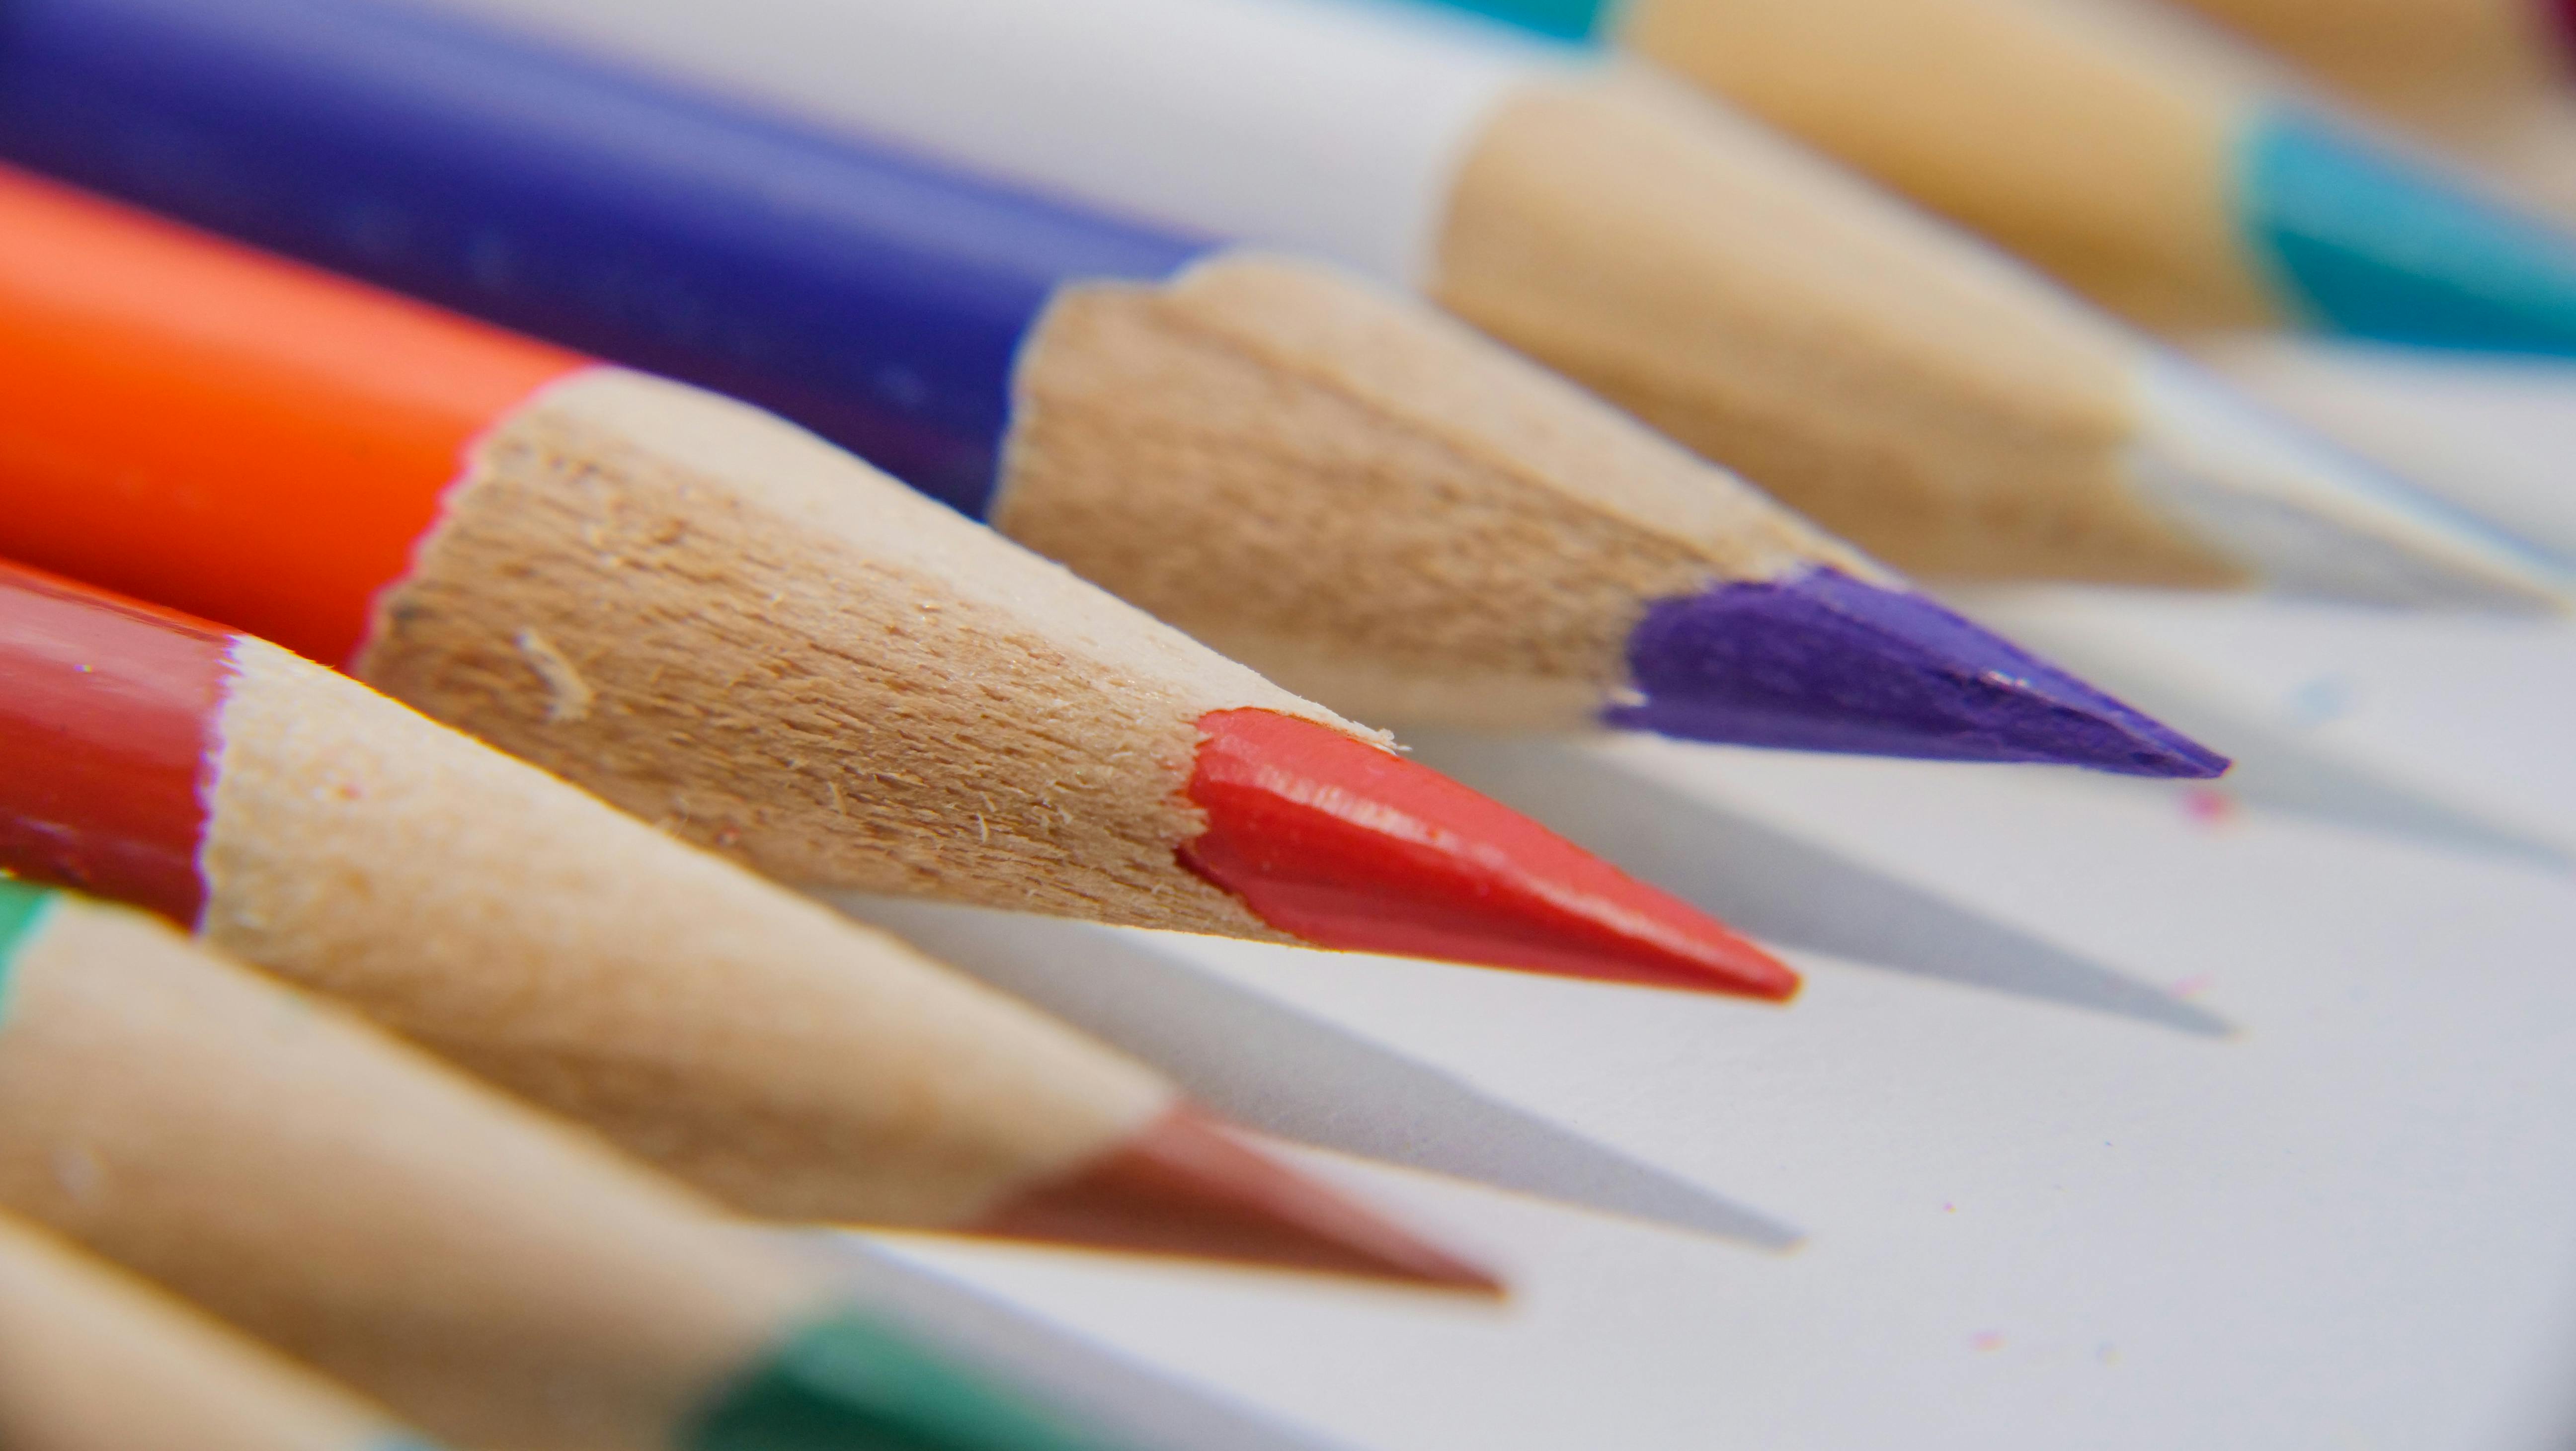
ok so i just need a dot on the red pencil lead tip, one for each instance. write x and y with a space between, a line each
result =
1186 1185
1348 846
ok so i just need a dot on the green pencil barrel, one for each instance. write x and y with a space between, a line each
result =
849 1384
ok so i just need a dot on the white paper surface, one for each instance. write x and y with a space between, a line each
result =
2029 1211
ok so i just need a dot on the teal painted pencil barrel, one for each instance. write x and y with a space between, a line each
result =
1561 19
2363 244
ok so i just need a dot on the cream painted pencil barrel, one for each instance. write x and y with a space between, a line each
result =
92 1359
737 1035
501 1280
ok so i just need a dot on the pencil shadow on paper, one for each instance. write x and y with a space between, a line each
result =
1787 891
1272 1067
2275 771
1058 1365
2281 759
2282 768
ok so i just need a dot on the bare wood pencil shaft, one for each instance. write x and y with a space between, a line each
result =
746 592
1823 361
497 1279
92 1359
1993 111
757 1044
1240 452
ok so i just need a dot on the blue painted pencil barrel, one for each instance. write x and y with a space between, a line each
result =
876 300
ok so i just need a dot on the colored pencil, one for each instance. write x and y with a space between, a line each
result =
92 1359
723 625
1872 369
2133 158
2490 77
750 1042
1360 499
498 1279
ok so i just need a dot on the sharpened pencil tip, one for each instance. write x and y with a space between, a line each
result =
1821 661
1345 845
1186 1185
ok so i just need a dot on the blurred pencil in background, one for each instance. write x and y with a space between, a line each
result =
2495 79
1360 499
498 1279
1869 368
92 1359
749 1041
2135 158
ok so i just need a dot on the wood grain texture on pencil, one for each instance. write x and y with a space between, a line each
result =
1154 416
1390 513
93 1359
731 1032
769 597
756 1044
1014 736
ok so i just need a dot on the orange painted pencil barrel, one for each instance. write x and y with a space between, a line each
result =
275 486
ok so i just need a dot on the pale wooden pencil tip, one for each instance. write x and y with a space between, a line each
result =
2309 519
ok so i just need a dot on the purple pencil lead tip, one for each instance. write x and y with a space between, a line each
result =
1820 661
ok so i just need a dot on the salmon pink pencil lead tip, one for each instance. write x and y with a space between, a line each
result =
1249 1207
